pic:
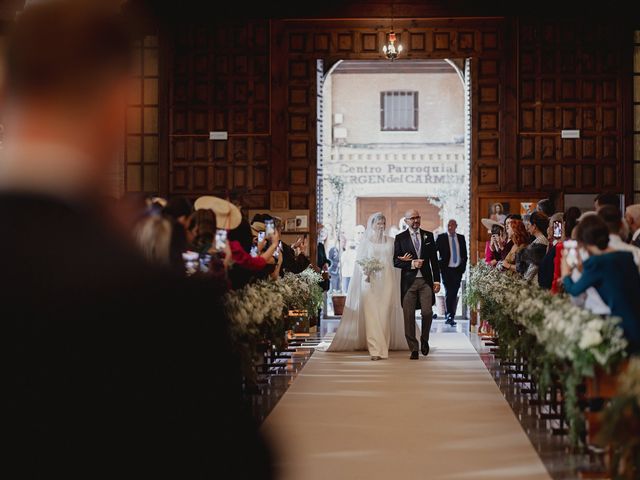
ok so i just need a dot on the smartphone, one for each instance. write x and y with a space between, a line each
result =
269 227
278 250
571 249
221 239
261 236
557 229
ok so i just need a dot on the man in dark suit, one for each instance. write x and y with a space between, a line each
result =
416 255
109 367
453 263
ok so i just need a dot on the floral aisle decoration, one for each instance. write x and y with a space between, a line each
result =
370 266
621 425
552 333
258 312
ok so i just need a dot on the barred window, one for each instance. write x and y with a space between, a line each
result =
399 111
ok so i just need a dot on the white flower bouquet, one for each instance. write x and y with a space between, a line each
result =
370 266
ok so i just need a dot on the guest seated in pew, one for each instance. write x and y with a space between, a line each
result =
614 275
530 258
613 218
632 217
109 370
549 270
496 243
253 258
293 258
519 239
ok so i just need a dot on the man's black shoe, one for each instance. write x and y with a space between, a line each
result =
414 356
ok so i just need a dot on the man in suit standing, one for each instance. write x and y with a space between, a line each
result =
632 216
453 263
416 255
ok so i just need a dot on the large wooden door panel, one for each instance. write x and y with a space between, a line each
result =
394 208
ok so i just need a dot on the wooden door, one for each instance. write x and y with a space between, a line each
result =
394 208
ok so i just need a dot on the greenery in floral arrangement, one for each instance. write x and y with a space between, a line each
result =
621 425
554 335
257 312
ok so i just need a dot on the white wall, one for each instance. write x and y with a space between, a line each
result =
440 96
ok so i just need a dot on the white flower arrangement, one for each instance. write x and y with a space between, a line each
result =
264 303
563 329
569 340
370 266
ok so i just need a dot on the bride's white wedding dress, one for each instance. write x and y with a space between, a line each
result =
372 318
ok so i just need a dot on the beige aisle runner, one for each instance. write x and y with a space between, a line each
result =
443 417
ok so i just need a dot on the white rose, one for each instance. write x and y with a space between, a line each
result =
590 338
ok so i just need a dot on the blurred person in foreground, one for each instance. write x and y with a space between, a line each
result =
107 373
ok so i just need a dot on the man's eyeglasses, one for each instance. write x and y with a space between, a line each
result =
413 219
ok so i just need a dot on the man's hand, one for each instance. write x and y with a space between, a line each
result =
406 257
417 263
436 287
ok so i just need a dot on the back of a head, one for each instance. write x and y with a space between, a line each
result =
178 207
546 206
540 220
242 234
592 230
571 216
607 198
612 217
65 52
634 212
154 235
519 232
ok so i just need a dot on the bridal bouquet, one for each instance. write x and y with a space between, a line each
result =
370 266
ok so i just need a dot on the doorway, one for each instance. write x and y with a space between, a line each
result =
392 136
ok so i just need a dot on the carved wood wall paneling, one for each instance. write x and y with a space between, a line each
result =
571 75
220 80
296 45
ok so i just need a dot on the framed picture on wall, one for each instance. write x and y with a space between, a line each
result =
279 200
290 225
498 210
527 208
302 222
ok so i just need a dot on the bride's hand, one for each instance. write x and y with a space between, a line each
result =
406 257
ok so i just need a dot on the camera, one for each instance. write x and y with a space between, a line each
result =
496 230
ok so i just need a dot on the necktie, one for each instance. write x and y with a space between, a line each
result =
416 242
454 250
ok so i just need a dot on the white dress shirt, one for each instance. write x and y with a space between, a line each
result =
413 234
452 239
635 235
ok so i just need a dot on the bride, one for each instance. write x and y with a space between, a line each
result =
372 317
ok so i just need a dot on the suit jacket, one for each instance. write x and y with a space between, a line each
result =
445 252
636 242
112 365
428 252
615 276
